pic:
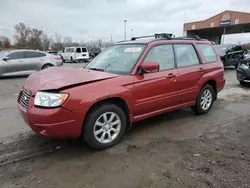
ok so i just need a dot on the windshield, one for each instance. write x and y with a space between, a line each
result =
119 59
3 53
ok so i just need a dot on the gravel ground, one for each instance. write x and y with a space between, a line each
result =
176 149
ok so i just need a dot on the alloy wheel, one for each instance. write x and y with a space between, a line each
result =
107 127
206 99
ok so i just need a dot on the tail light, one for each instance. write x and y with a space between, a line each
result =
58 58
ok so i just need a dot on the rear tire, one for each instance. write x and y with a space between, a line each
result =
99 133
46 66
205 100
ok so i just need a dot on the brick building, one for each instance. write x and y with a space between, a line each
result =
227 22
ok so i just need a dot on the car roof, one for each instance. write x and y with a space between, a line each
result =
16 50
177 40
166 38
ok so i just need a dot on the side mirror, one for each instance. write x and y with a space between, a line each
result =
6 58
150 67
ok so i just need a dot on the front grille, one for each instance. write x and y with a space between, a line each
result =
24 98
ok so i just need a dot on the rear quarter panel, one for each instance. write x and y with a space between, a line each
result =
212 71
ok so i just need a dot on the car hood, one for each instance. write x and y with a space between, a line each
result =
56 78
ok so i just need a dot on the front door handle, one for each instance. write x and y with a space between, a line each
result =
171 75
201 70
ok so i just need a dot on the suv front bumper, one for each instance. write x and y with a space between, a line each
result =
52 122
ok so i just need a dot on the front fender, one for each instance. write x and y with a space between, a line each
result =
83 97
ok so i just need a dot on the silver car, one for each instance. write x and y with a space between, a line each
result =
25 62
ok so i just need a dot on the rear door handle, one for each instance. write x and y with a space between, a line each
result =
171 75
201 70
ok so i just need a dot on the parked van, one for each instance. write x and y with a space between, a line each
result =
76 54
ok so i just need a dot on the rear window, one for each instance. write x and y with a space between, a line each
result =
84 50
34 54
208 53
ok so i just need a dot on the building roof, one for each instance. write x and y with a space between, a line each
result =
215 21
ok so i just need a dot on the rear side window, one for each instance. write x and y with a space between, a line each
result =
16 55
162 54
185 55
78 50
34 54
208 53
84 50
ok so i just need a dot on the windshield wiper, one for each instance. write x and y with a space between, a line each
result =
96 69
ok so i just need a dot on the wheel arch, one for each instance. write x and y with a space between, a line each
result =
47 64
213 83
113 100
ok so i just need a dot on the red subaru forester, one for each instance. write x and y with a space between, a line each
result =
129 81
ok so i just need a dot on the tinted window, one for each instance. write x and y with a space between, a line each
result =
78 50
163 55
185 55
208 53
16 55
34 54
84 50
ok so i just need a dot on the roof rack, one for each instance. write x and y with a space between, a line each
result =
170 36
167 36
195 37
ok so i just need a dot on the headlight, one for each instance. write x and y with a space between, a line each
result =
46 99
245 66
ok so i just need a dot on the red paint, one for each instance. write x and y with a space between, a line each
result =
150 66
146 95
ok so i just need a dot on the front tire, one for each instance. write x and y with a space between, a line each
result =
242 83
205 100
104 126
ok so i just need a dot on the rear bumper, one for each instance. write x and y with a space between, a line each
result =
56 122
243 75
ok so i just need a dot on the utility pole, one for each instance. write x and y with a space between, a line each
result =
131 33
125 29
111 39
224 33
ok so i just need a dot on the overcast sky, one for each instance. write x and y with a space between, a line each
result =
92 19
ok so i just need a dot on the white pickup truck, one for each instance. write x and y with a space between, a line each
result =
76 54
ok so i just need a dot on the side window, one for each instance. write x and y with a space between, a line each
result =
84 50
185 55
164 55
208 52
78 50
30 54
16 55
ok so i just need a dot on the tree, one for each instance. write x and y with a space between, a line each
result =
57 44
5 42
35 39
67 41
21 34
46 42
58 38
